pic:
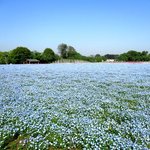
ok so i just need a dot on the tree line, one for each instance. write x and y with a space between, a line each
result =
133 56
19 55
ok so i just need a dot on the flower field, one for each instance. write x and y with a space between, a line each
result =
75 106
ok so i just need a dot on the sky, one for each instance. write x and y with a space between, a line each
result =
90 26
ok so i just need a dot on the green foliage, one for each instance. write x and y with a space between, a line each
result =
4 58
104 58
145 56
90 58
134 56
72 53
36 55
57 57
19 55
98 58
48 56
9 140
111 56
123 57
69 52
63 50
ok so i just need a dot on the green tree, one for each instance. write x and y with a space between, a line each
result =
90 58
72 53
123 57
48 55
104 58
111 56
98 58
63 50
4 58
133 55
36 55
19 55
145 56
57 57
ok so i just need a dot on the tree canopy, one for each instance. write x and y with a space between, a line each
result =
48 56
36 55
62 48
133 55
19 55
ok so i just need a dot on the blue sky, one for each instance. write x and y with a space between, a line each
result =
91 26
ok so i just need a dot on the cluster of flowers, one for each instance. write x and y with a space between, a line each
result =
82 106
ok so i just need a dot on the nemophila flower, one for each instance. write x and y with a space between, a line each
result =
88 105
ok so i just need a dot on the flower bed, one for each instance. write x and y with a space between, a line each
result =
75 106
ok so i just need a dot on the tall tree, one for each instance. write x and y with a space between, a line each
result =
63 50
71 52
